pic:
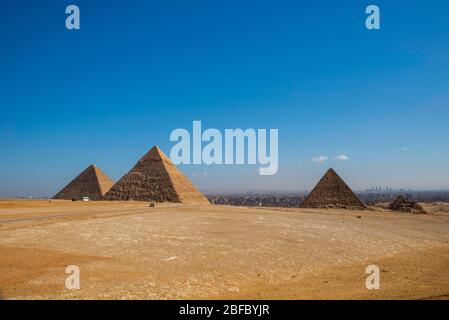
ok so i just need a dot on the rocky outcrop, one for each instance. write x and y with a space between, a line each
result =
403 204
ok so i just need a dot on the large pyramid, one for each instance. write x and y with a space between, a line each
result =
155 178
332 192
92 183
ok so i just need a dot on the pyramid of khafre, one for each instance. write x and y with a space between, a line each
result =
332 192
92 183
155 178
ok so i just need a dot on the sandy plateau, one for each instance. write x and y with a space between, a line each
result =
126 250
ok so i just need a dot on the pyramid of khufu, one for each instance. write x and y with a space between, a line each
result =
156 178
332 192
91 183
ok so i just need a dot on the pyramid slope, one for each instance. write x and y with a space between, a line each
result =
104 182
156 178
332 192
92 183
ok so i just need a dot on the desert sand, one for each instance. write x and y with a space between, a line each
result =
127 250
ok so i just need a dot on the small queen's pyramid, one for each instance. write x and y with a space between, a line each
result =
155 178
332 192
91 183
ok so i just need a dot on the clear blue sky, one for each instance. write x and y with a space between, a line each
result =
139 69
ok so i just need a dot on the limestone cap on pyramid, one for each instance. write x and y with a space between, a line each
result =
332 192
155 178
92 183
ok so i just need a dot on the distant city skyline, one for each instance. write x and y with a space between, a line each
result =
372 104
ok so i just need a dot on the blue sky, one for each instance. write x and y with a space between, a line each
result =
136 70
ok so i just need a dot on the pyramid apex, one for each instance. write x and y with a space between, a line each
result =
94 168
155 153
156 148
331 172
